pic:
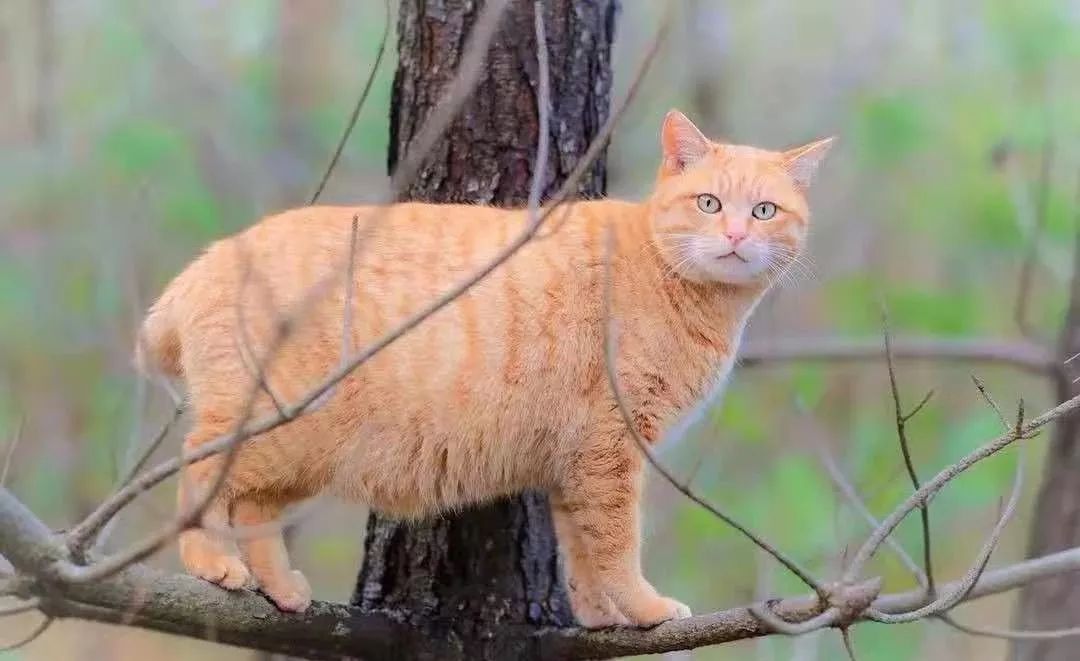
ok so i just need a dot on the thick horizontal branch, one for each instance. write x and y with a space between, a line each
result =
1021 354
144 597
739 623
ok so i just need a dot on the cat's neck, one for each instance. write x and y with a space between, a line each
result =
716 302
708 317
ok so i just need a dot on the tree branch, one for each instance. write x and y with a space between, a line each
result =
178 604
1021 354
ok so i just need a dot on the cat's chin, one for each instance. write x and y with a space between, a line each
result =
729 270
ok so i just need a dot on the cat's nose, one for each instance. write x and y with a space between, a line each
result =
735 235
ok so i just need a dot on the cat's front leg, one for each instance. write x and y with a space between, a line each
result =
592 607
600 495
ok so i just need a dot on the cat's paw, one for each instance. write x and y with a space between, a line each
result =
226 571
203 560
290 593
656 610
596 611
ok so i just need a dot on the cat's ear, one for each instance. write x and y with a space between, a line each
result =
682 142
802 162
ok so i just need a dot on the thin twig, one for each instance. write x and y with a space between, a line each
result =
961 590
150 449
935 484
347 307
10 454
990 401
350 287
919 407
543 103
24 607
849 646
851 494
31 637
905 450
190 515
458 93
1007 634
360 101
610 353
777 624
1031 253
256 367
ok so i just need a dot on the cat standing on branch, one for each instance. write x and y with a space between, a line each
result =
500 391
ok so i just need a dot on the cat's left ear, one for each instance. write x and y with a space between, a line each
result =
802 162
683 143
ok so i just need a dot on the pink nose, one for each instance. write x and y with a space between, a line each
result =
735 236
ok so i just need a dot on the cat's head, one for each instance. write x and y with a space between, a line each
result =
730 213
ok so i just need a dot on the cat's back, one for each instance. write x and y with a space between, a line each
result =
419 241
322 228
297 248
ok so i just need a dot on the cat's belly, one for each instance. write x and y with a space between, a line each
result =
414 458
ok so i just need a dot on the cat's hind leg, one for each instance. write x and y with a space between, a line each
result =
205 553
257 523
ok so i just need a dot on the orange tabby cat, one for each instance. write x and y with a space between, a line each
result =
502 390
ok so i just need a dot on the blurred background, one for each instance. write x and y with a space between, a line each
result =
133 133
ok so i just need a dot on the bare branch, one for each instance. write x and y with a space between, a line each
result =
1008 634
139 551
458 93
849 646
150 449
182 605
543 102
776 624
905 450
957 594
990 401
930 488
10 454
350 288
360 101
31 637
919 407
254 365
1031 254
848 490
1023 355
18 609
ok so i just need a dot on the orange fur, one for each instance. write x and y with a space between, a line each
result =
500 391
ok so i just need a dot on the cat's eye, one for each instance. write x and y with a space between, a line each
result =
708 203
764 210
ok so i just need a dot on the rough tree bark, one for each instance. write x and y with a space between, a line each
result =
461 577
1055 602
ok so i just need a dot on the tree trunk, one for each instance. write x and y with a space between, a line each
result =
1054 603
460 576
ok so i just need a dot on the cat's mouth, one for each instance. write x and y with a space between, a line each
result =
735 255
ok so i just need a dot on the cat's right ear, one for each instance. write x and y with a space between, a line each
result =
682 142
